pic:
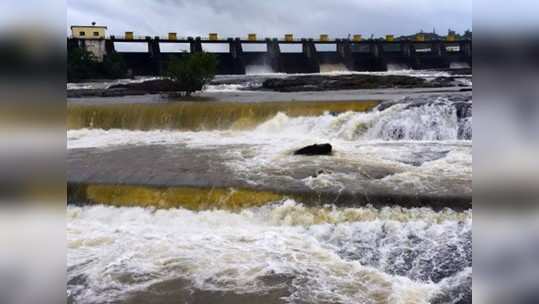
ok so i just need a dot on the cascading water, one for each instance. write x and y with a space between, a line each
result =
398 67
258 69
273 249
332 68
313 255
195 116
459 65
441 119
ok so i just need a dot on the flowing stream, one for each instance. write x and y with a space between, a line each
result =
285 249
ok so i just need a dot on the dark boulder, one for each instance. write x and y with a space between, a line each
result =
322 149
464 109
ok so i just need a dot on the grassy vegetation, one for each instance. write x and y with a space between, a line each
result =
82 64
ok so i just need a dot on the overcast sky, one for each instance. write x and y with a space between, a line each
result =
273 18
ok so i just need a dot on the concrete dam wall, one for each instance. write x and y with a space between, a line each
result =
368 55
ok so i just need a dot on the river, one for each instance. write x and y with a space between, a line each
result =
204 201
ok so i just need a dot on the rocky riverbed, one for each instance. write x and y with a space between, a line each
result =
279 83
355 82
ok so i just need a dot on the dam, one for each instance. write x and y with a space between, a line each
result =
312 55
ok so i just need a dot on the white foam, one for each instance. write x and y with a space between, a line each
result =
328 68
117 250
402 67
106 84
258 70
427 155
225 87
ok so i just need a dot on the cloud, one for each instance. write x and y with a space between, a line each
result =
304 18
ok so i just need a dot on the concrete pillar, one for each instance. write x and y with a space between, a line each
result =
195 44
376 49
466 48
236 51
406 49
344 50
438 48
309 50
377 61
408 52
274 55
466 51
109 46
155 54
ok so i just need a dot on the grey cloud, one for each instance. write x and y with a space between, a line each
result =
304 18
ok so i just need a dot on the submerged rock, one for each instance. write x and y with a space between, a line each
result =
155 86
352 82
320 172
316 149
464 109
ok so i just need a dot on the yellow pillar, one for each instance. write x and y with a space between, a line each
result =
289 37
129 35
356 38
324 37
390 38
213 36
172 36
251 37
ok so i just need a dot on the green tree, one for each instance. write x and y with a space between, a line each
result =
81 64
114 66
192 72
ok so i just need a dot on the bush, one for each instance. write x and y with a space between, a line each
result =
192 72
81 64
113 66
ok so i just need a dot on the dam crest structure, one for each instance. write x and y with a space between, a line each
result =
354 54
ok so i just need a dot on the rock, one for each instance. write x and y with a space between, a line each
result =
322 149
128 89
320 172
464 109
342 82
149 86
459 71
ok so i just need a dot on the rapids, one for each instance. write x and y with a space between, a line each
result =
306 255
434 121
210 219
